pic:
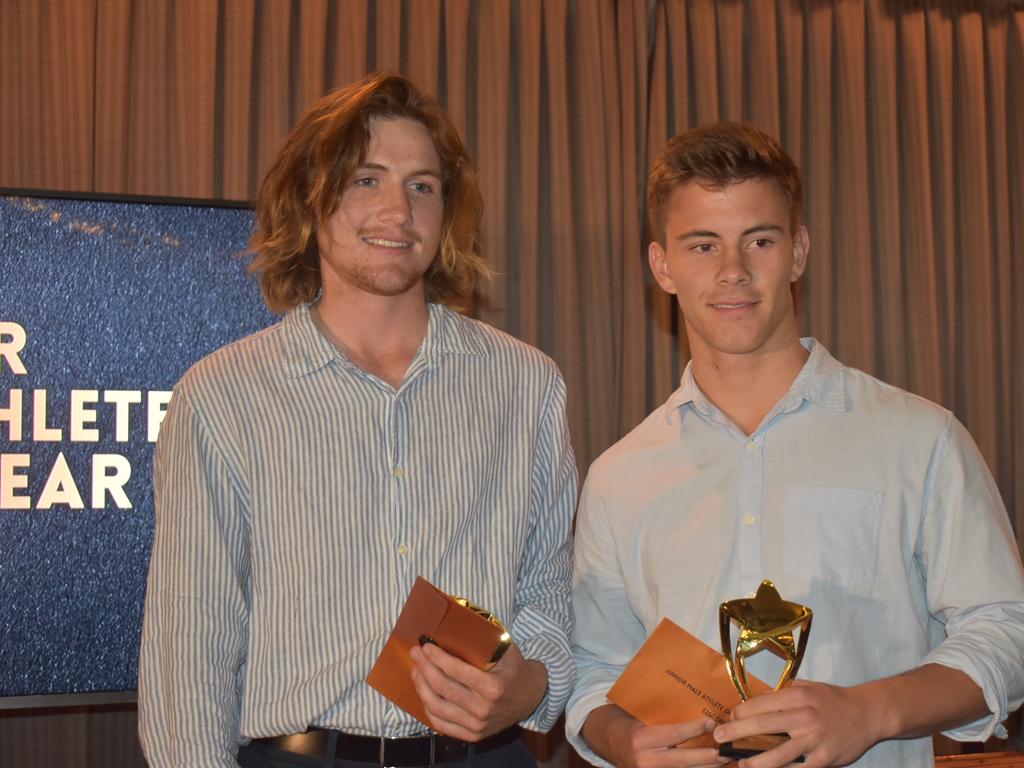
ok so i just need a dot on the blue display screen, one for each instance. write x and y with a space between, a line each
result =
103 306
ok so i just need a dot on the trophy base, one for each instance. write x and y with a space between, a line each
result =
753 745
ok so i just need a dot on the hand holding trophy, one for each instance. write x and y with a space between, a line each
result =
766 623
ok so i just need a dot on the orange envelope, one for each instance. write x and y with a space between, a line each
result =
675 677
430 613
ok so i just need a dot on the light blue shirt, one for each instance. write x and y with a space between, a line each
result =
297 499
866 503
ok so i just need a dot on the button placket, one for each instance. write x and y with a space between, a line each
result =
398 486
748 507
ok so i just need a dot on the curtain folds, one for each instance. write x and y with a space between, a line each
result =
907 119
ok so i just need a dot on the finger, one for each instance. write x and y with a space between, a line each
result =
681 757
772 701
669 736
454 667
693 758
782 755
692 728
427 664
445 715
440 684
770 722
783 721
453 728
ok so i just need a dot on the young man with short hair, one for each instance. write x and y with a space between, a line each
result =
774 461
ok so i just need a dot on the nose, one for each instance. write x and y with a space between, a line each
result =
395 207
733 268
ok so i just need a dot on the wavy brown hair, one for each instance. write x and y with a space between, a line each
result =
718 155
304 185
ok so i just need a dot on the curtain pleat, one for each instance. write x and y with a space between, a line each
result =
1008 469
494 131
883 190
918 269
907 118
310 39
626 304
238 177
818 161
523 284
349 37
47 99
668 107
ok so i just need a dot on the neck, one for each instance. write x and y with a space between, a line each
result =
745 387
380 334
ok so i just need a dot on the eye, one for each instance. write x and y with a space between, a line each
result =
423 187
703 247
762 242
364 181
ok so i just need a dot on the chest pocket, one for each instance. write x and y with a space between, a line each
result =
831 534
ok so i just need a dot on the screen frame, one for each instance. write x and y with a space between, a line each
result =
98 698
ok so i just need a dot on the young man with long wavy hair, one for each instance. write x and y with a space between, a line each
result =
306 475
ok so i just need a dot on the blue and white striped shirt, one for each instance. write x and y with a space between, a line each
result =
297 499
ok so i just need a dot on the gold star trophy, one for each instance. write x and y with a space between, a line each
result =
766 623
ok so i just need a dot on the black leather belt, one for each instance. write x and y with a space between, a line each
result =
389 753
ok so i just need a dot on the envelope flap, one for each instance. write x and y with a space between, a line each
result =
468 635
423 613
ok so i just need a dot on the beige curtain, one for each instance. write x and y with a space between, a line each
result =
907 119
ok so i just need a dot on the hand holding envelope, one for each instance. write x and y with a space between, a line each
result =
472 704
677 688
628 743
675 678
453 667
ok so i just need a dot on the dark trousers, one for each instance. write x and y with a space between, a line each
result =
514 755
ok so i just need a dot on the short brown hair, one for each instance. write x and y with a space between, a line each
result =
303 186
718 155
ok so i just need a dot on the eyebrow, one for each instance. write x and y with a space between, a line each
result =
748 231
419 172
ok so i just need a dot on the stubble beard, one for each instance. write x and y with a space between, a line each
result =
384 280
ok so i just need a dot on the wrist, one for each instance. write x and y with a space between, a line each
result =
607 730
536 687
882 715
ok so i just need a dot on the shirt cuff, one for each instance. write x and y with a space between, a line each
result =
984 727
561 675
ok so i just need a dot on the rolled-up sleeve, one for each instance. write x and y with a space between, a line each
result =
974 579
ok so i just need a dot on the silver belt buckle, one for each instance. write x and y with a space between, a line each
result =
382 750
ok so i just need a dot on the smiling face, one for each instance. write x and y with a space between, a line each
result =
730 256
386 230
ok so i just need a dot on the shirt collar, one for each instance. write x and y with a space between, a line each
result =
822 381
450 333
308 350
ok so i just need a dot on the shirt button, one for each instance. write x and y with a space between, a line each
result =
749 519
403 550
398 472
751 445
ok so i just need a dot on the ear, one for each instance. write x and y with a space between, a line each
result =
801 247
659 267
